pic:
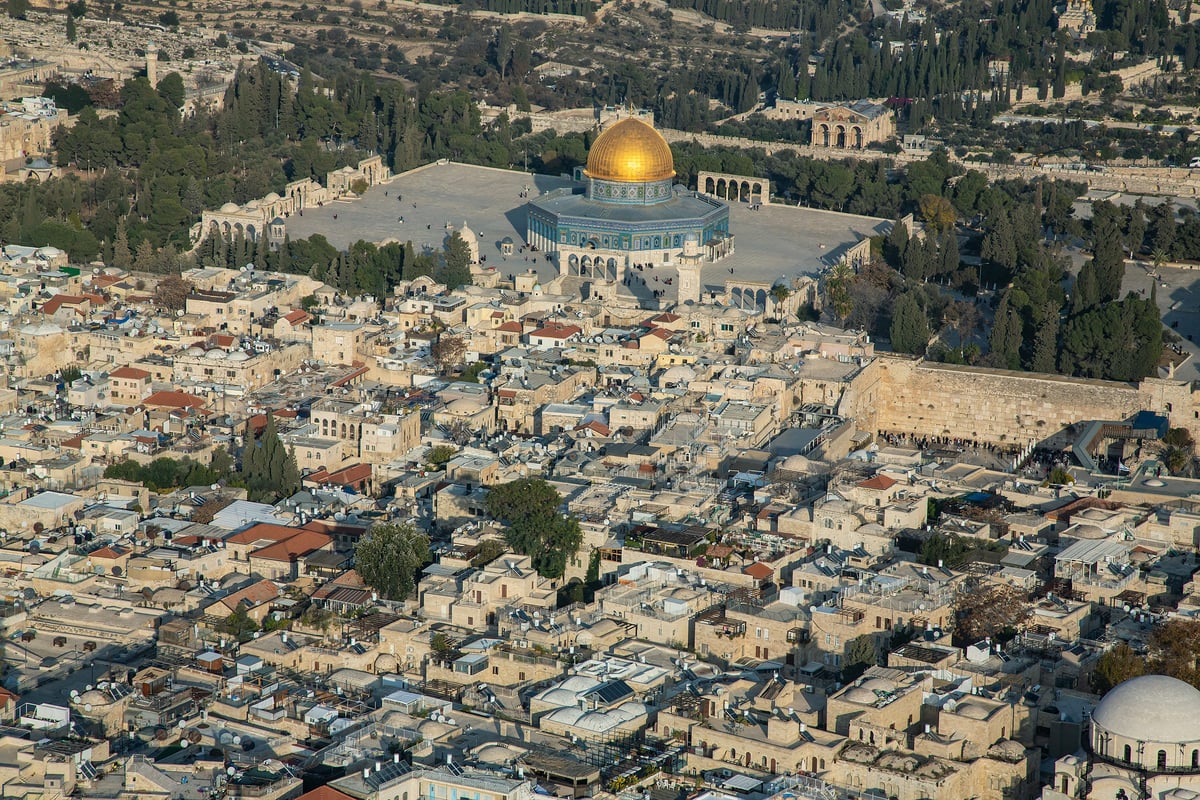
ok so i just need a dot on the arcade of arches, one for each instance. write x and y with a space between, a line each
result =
735 188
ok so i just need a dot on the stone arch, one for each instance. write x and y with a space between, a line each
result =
856 137
839 136
228 230
709 185
251 233
760 299
823 135
746 190
721 188
611 264
585 264
573 264
735 296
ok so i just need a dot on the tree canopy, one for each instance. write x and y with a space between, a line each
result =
529 507
389 558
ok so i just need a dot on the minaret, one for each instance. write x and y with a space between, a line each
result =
688 268
152 63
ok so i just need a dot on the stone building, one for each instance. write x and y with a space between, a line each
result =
1144 742
627 210
853 126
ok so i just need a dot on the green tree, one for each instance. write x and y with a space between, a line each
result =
861 653
1117 666
536 528
910 326
268 467
239 625
838 295
18 9
456 267
172 90
122 257
440 454
938 213
1045 343
1005 343
389 558
71 33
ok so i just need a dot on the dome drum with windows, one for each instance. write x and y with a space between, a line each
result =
630 162
625 209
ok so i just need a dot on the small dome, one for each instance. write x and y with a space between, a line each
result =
238 355
462 406
1085 531
678 375
230 208
861 696
253 204
630 151
270 198
194 352
1152 708
972 711
215 355
93 698
796 463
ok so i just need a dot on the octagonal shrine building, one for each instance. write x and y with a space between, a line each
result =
625 209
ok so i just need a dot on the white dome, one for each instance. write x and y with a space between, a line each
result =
230 208
194 351
238 355
215 355
678 375
1152 708
271 197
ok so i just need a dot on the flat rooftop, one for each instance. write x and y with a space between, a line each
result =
773 242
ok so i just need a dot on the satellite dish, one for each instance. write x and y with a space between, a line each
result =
87 707
237 740
230 771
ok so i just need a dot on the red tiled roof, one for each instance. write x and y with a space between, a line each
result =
879 482
174 400
595 425
133 373
59 300
510 327
324 793
759 571
303 543
263 530
661 333
347 476
253 595
105 552
557 330
297 317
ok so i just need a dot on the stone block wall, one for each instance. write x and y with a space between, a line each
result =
999 406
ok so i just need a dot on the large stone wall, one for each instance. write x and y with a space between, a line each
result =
999 406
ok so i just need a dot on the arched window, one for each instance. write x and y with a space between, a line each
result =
1162 759
1195 758
1128 754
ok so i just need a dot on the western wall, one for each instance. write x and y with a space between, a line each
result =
896 393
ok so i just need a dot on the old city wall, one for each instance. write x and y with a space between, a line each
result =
998 406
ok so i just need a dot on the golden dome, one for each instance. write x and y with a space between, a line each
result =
630 152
